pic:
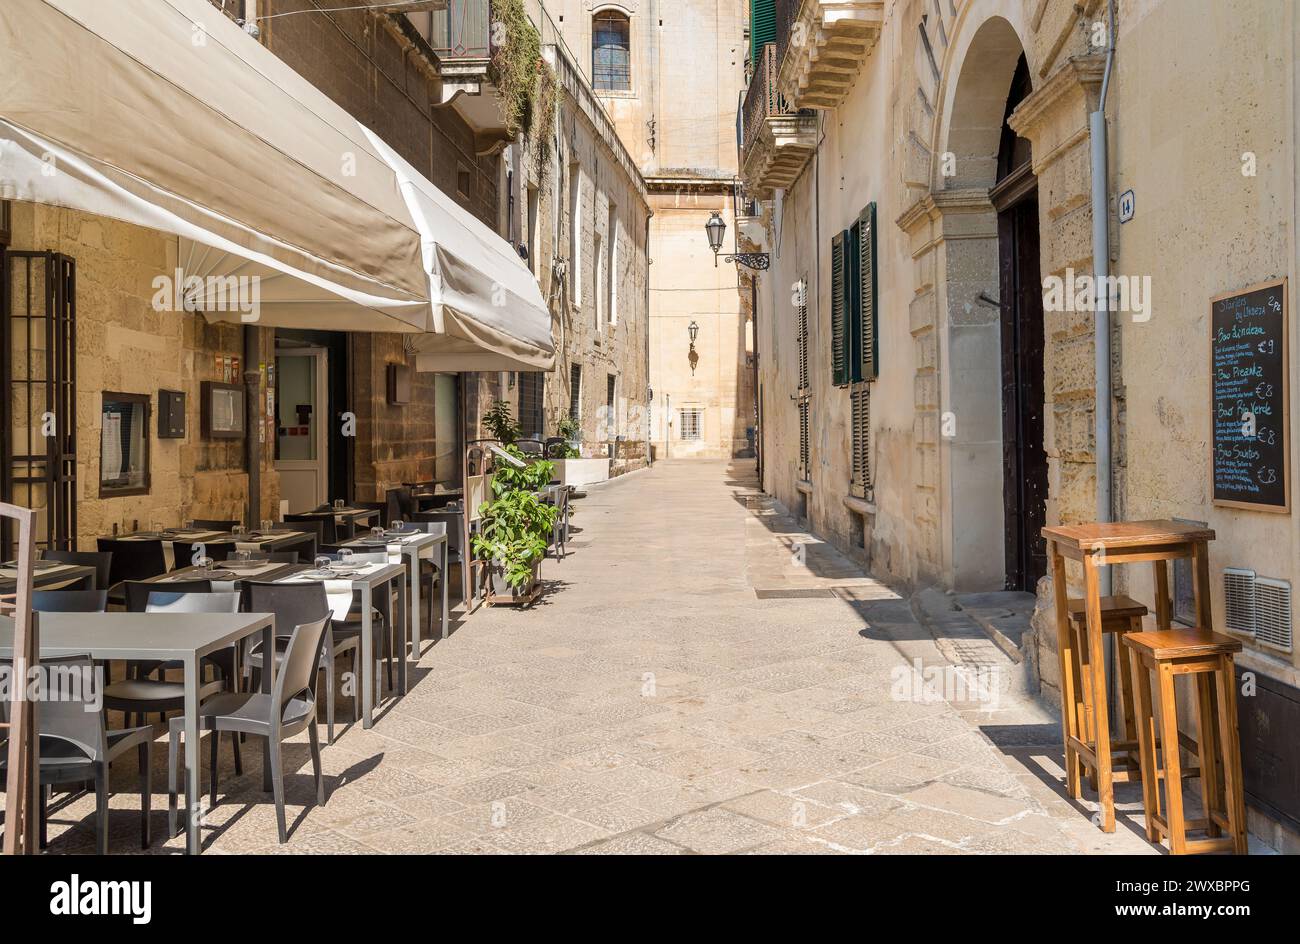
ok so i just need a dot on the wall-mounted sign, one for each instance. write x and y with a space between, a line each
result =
1127 206
1250 428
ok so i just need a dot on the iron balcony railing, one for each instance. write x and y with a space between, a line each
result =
462 31
762 98
787 11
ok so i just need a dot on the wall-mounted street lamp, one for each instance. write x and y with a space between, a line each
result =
693 330
716 228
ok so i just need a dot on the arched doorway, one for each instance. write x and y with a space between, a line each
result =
993 466
1024 460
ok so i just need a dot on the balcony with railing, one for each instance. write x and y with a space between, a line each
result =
776 140
454 40
822 46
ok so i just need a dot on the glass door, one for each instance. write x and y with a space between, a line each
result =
301 441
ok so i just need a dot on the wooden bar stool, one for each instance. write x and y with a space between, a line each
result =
1119 614
1096 546
1207 657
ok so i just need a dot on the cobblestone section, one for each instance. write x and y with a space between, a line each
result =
700 677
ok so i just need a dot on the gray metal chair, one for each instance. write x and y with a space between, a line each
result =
102 562
559 495
141 695
285 712
76 747
293 605
69 601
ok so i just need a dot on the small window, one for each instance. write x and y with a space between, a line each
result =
611 57
464 182
575 231
575 392
602 289
610 384
692 421
124 445
534 231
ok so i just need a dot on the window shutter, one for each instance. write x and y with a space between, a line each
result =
801 335
860 399
839 312
868 324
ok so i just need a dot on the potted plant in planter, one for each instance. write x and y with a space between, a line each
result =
570 467
515 526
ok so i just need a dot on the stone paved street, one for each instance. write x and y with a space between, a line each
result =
699 677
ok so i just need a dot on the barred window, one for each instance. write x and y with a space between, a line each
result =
691 423
611 56
575 392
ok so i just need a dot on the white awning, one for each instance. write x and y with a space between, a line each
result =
165 114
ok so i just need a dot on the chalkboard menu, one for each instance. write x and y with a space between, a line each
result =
1248 375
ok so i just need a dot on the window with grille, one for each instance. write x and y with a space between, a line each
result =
691 423
531 385
575 391
611 52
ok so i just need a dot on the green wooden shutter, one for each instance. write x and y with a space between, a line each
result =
839 312
762 27
868 321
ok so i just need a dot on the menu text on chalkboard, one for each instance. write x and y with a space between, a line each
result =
1250 418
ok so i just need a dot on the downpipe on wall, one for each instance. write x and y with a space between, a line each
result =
1101 319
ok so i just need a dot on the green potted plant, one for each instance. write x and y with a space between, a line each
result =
515 526
569 429
500 423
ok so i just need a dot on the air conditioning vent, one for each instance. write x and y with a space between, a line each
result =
1239 600
1273 613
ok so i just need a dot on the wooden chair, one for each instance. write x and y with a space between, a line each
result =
1206 657
1119 614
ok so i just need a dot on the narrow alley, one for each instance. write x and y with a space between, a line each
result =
700 676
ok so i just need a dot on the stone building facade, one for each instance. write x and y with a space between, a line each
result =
669 74
928 111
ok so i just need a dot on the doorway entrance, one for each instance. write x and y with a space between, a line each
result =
301 441
1024 460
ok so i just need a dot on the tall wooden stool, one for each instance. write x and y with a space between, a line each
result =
1207 657
1119 614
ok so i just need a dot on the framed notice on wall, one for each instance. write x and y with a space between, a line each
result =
1250 426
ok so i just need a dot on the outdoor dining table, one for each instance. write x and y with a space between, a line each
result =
277 539
365 579
357 516
1102 545
416 545
47 575
227 575
160 637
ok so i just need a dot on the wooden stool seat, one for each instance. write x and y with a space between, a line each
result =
1117 613
1192 642
1206 657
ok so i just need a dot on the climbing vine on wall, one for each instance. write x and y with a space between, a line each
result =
516 58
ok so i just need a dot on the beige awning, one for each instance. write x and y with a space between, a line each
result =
165 114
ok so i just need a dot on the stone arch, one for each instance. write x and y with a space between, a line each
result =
956 320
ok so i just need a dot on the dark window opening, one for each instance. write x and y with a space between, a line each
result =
124 445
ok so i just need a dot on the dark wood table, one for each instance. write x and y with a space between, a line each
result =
1104 545
45 576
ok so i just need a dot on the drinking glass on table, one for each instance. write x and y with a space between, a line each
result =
188 524
345 558
377 533
239 532
204 564
267 525
156 527
339 505
243 556
321 563
397 524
